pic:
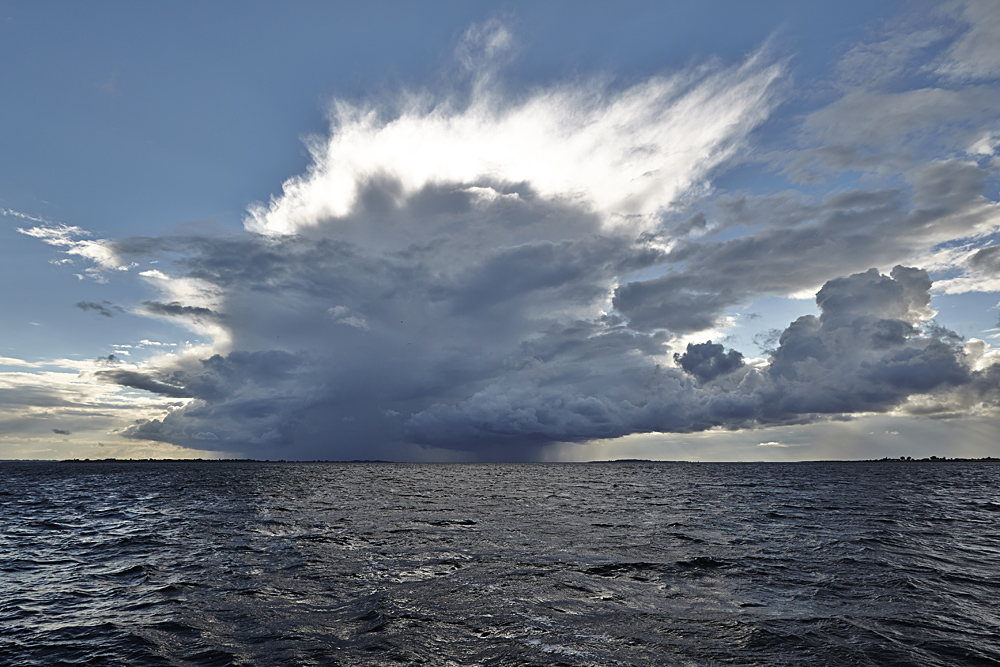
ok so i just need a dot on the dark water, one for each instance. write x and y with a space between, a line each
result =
223 563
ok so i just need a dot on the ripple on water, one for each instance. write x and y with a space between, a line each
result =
241 563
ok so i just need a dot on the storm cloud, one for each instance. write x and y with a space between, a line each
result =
104 308
485 275
176 309
500 350
707 361
863 353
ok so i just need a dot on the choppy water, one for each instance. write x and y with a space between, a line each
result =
239 563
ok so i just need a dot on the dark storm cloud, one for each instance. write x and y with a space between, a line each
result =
493 350
213 379
987 260
497 328
567 272
857 356
138 380
870 296
61 431
104 308
221 377
175 309
674 302
707 361
696 224
863 352
253 397
512 335
442 314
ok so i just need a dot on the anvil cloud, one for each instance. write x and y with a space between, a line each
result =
484 273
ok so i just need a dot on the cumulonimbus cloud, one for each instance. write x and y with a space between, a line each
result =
495 273
872 349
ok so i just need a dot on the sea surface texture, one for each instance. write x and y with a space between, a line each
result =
243 563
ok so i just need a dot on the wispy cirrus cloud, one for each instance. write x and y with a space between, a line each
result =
72 240
23 216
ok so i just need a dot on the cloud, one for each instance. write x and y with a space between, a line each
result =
138 380
104 308
343 315
863 354
975 54
921 89
452 241
796 243
626 153
707 361
64 392
71 239
520 386
916 107
23 216
987 260
483 274
871 127
176 309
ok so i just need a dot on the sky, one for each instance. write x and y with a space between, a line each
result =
518 231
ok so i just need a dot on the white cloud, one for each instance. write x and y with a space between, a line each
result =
11 361
191 302
154 274
976 53
484 46
343 315
99 252
24 216
626 153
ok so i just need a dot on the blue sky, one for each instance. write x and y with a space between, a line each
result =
214 215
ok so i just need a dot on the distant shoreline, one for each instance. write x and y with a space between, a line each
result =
929 459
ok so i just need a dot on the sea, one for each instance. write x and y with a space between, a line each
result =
221 563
